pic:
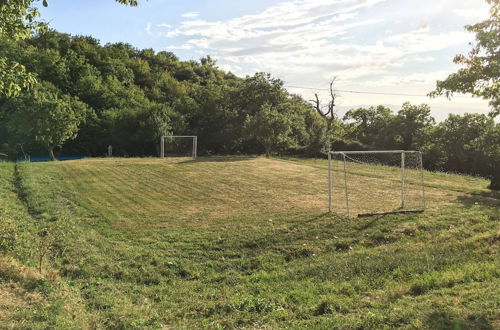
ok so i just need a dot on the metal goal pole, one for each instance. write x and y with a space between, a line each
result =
162 146
345 184
406 158
402 179
329 181
195 147
422 179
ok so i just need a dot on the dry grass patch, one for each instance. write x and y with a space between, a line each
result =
14 298
149 191
202 190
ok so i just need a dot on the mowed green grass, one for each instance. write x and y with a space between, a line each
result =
245 242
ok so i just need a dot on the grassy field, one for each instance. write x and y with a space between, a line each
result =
245 242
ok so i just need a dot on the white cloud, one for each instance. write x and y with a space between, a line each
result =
190 15
422 42
180 47
419 78
149 27
472 14
306 42
157 29
230 68
424 59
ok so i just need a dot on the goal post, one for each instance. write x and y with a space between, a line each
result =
375 182
179 146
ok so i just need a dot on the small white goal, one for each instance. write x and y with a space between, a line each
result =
179 146
366 183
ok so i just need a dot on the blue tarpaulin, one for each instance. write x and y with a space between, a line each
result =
46 159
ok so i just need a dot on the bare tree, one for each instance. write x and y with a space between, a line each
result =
329 114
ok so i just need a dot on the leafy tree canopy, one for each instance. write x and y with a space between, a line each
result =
481 71
271 128
46 116
19 19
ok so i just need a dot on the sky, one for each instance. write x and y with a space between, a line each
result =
398 47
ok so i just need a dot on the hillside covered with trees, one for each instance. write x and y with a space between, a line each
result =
63 94
116 94
90 96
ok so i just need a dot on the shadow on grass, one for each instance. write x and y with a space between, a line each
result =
215 159
313 219
271 239
444 320
371 221
485 198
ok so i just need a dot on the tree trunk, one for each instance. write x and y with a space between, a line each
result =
495 178
268 151
51 153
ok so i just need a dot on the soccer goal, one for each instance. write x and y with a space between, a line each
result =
179 146
366 183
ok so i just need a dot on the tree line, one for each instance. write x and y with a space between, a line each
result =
90 96
468 143
70 94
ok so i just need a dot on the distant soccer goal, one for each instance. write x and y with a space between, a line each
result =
366 183
179 146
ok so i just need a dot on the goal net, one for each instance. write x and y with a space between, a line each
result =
365 183
179 146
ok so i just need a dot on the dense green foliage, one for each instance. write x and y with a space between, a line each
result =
135 96
121 96
132 243
461 144
19 19
478 147
45 117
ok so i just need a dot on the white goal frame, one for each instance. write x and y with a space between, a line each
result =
402 180
194 153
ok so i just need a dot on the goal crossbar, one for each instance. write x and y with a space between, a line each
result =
180 136
374 152
401 158
194 152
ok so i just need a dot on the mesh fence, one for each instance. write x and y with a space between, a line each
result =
366 183
175 146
